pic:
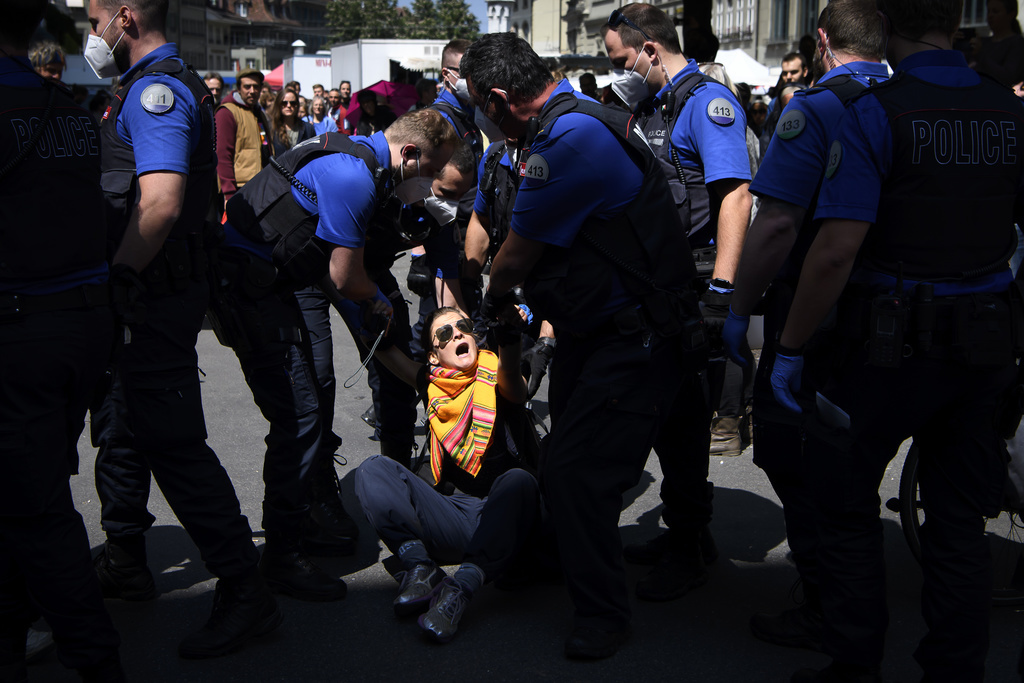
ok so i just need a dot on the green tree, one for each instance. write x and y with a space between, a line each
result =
455 20
423 22
353 19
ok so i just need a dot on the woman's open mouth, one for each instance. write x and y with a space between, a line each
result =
462 349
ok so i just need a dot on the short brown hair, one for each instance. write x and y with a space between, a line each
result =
652 21
853 27
913 18
454 47
425 128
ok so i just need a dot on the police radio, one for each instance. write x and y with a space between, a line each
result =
889 313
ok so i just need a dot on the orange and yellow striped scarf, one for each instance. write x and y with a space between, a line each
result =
461 410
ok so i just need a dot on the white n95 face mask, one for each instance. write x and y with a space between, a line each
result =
99 55
630 86
462 91
412 190
442 210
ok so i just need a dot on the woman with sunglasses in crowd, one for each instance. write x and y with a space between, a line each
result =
474 400
287 129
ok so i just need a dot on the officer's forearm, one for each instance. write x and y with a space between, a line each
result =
161 196
477 242
349 275
449 293
823 278
511 383
732 225
513 263
768 243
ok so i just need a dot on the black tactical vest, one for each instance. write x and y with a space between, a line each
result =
265 212
846 88
464 126
946 209
120 180
689 192
501 184
41 239
643 249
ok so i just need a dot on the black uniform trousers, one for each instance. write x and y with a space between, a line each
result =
394 401
488 532
151 420
277 362
949 409
50 364
316 311
682 449
779 436
608 395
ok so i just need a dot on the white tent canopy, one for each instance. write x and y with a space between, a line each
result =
742 68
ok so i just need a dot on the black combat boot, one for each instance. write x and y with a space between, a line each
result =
288 571
680 569
329 531
800 626
243 608
122 571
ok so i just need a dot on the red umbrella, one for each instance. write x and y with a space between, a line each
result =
275 79
398 96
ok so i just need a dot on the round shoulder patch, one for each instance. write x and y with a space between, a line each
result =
791 124
536 169
721 111
157 99
835 155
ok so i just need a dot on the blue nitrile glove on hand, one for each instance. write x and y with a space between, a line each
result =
786 378
734 333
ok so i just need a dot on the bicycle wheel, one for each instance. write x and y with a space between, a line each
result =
1005 534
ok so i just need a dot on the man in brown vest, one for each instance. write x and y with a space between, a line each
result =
243 145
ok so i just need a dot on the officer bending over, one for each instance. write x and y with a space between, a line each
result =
919 220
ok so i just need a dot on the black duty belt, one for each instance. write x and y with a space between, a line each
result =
85 296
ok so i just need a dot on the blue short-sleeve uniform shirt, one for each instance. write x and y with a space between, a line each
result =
720 149
795 161
576 168
165 141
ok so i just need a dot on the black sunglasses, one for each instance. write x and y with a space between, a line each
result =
617 17
445 333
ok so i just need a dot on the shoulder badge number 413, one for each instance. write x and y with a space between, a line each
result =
536 169
721 111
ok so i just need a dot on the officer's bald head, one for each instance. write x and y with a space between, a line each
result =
21 17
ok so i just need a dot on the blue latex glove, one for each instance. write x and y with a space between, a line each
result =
352 313
786 379
734 332
379 296
529 314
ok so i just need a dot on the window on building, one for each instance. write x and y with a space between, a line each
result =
780 19
808 17
242 9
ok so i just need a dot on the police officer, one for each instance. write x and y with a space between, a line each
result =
591 217
158 166
55 335
849 49
336 189
918 217
698 130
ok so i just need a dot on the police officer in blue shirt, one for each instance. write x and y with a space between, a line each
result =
158 170
337 189
55 336
591 218
918 216
849 49
698 131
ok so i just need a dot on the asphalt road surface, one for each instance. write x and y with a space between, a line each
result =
504 636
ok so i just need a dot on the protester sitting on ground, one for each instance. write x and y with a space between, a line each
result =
473 399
